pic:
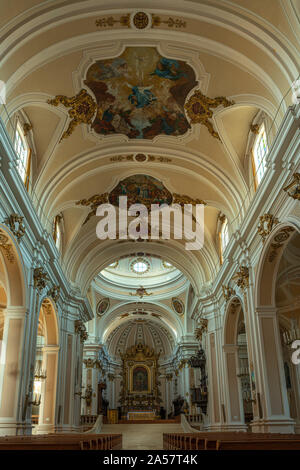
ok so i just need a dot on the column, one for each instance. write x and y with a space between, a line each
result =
11 369
213 385
235 413
48 399
274 399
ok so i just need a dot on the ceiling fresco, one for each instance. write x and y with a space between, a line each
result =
140 94
141 189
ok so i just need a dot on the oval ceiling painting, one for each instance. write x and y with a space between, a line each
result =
140 94
141 189
102 306
178 306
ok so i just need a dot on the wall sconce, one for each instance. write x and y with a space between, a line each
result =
40 374
36 399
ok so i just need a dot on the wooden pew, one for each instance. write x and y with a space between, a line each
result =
259 444
63 441
209 440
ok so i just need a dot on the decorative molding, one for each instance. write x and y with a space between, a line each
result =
140 158
26 128
110 21
54 293
47 307
241 277
295 184
184 199
93 202
141 291
92 363
83 108
182 364
16 225
178 305
266 224
102 306
254 128
40 278
80 329
228 292
111 377
169 377
202 328
140 20
280 238
235 304
6 248
198 109
170 22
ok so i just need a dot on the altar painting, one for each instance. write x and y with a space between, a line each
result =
140 380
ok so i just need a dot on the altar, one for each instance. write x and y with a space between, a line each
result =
140 395
141 415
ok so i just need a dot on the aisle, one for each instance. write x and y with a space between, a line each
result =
142 436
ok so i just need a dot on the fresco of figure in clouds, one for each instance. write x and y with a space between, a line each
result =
149 102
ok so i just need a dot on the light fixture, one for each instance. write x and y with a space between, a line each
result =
39 374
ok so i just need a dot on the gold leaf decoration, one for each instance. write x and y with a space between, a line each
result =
83 108
199 110
295 186
110 21
241 277
16 225
266 224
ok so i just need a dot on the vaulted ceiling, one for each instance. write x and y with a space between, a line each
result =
246 51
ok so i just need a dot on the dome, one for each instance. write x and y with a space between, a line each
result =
143 331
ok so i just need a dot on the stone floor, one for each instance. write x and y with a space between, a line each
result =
142 436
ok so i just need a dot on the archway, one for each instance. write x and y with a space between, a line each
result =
274 273
45 375
238 385
288 312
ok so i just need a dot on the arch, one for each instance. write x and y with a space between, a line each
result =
276 403
268 264
13 282
47 364
235 378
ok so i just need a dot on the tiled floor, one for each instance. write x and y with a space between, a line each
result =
142 436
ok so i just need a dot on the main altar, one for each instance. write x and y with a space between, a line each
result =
140 395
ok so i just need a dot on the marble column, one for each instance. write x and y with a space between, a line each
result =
274 399
235 412
10 369
47 407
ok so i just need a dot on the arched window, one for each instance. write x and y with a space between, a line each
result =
224 234
57 231
260 151
23 155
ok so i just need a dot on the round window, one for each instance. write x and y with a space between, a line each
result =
140 266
